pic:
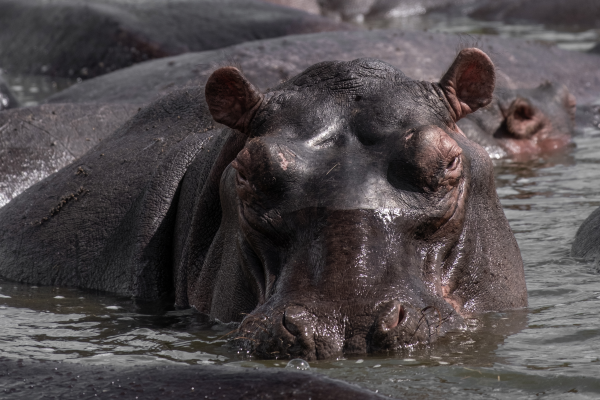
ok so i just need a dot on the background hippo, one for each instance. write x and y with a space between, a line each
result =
86 38
268 62
355 218
587 239
524 123
38 141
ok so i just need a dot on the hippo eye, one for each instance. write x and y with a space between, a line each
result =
453 164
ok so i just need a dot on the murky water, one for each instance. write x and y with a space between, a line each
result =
550 351
568 38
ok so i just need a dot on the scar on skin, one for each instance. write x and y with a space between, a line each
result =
284 163
63 201
450 300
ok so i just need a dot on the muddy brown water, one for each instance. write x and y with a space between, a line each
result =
550 350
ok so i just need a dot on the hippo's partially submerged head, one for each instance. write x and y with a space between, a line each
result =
524 123
358 217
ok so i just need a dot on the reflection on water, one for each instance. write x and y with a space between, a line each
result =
31 89
551 350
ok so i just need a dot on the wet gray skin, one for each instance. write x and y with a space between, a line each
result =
38 141
344 212
524 124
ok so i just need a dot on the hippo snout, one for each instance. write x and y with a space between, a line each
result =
296 332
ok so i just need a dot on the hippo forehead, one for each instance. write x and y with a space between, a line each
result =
365 92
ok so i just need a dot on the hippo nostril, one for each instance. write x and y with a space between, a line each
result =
242 177
523 113
523 120
297 320
392 315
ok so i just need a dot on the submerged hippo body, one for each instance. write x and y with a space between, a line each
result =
87 38
343 212
587 240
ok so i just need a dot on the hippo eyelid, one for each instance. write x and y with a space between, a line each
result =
325 136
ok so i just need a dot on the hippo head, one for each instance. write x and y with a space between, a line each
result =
526 123
358 217
539 120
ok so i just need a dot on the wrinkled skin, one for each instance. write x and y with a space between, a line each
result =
522 124
38 141
7 97
87 38
267 62
343 212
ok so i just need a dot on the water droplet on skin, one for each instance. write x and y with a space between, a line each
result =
359 361
59 297
377 366
298 364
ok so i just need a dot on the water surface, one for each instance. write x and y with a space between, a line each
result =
551 350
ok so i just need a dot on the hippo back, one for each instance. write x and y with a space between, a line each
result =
105 221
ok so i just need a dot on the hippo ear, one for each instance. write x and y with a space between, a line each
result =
469 82
232 99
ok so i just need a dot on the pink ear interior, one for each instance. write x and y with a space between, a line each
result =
469 82
232 100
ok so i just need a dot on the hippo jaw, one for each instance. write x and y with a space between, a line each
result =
348 208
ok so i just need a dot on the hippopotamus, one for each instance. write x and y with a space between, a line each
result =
524 123
38 141
341 211
87 38
268 62
7 97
